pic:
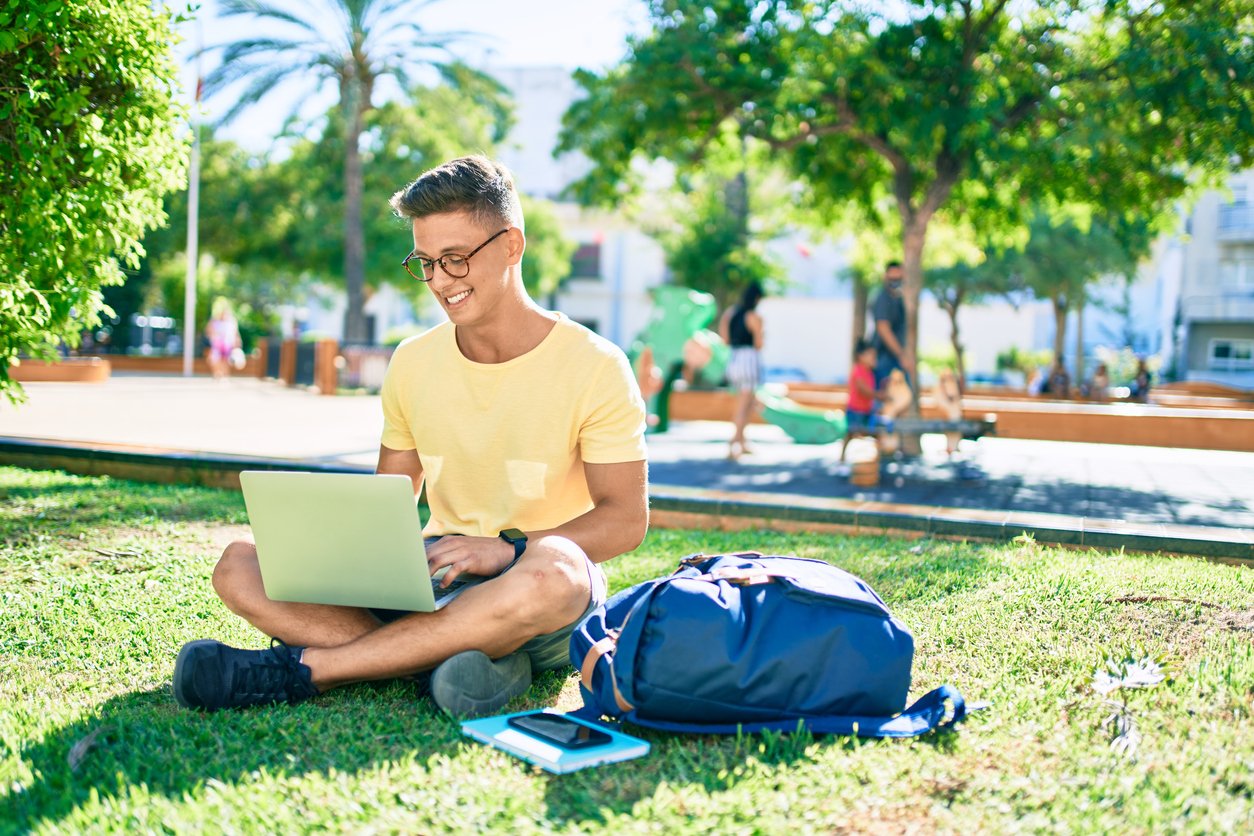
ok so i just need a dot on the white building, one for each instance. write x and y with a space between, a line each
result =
1214 333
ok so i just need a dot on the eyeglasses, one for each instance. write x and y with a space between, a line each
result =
454 264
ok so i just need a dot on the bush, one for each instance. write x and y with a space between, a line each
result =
88 147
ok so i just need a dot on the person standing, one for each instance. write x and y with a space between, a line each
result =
741 328
222 331
889 312
1140 389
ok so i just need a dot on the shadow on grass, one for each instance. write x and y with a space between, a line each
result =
714 764
143 740
66 507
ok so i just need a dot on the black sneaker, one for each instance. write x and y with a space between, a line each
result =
210 675
471 685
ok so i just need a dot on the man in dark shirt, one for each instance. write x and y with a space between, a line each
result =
889 312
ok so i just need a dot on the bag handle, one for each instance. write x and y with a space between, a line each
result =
931 711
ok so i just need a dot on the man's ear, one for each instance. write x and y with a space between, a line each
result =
516 244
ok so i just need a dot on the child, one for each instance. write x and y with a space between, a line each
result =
948 400
860 414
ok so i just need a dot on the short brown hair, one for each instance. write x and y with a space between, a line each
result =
476 185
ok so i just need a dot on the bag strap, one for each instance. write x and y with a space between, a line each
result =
929 712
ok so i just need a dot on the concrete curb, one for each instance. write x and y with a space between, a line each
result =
682 507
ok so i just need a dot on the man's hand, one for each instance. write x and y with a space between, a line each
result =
483 556
906 359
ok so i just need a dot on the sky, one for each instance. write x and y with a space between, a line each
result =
513 33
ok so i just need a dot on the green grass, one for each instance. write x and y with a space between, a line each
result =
102 581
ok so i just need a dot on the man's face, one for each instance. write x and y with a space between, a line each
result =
893 277
470 298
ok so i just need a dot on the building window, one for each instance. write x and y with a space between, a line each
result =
586 263
1236 273
1231 355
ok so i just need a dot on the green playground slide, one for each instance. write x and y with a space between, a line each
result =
679 316
803 424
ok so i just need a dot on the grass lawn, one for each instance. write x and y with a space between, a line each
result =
103 580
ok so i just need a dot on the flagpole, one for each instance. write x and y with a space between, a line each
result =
190 337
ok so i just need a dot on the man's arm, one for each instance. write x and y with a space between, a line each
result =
404 462
885 331
616 524
619 517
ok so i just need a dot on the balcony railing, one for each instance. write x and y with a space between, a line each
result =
1236 222
1227 307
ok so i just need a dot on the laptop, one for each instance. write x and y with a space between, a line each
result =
339 538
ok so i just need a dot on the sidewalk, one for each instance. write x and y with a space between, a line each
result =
1133 493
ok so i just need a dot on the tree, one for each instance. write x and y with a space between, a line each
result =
958 104
374 39
964 284
1066 253
547 261
714 223
269 223
89 142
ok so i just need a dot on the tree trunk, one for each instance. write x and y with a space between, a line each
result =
354 232
913 237
955 339
1060 327
860 295
912 241
1078 377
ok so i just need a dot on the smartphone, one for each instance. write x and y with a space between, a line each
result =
560 731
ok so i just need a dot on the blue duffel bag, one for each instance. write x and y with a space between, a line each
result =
748 642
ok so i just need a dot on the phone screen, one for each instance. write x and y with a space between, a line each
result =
560 731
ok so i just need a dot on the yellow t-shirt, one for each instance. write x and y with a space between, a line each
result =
503 444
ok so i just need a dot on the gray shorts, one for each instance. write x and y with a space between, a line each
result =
549 651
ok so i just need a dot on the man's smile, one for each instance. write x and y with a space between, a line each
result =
456 298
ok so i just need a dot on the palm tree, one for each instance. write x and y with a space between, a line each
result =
359 42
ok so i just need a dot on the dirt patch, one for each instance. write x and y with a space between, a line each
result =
1156 621
1237 620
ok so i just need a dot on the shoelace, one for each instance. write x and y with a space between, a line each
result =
278 677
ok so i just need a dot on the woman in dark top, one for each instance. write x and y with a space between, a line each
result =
741 329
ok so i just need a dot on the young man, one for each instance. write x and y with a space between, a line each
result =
528 430
889 312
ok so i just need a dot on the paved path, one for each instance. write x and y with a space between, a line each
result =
256 418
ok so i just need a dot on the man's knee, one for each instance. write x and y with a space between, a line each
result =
237 573
555 583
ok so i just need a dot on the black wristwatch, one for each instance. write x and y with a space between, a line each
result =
515 538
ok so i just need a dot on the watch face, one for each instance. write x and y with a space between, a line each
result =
513 535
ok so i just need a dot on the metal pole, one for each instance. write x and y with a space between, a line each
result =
190 340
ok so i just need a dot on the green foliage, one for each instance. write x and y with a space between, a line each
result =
88 144
1027 362
275 222
376 38
1121 364
104 579
984 109
714 223
547 260
397 335
1065 254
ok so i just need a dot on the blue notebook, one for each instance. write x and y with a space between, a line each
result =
496 731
